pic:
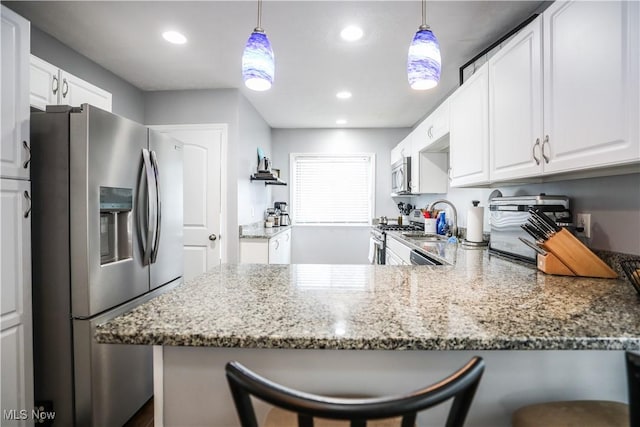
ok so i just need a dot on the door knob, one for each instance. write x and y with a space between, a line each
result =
212 237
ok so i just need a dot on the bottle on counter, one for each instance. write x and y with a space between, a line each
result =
441 224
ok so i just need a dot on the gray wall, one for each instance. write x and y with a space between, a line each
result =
614 204
254 132
336 245
247 131
127 99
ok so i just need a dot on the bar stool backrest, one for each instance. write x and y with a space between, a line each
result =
461 386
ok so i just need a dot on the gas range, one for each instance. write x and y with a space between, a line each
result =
395 227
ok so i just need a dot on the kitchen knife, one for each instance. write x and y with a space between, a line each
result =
541 216
533 246
533 232
541 226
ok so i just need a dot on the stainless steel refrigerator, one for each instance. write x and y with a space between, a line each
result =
107 236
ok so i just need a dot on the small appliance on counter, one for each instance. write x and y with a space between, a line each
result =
507 214
282 208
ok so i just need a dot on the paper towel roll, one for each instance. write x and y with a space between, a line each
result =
475 221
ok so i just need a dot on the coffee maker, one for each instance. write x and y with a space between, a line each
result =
284 214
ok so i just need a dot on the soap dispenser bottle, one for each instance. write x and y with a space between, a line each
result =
441 224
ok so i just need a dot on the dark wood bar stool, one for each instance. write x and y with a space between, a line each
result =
355 412
587 413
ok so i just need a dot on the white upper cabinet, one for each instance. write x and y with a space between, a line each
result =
434 127
75 91
591 85
564 97
45 83
53 86
403 149
469 131
429 165
16 43
515 106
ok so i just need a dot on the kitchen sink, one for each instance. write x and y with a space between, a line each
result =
416 235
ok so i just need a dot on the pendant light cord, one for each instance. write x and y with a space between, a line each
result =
424 25
259 15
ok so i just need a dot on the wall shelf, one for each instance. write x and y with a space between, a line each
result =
268 181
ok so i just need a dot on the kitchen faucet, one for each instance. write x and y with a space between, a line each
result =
455 214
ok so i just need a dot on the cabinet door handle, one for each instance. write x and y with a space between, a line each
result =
25 144
430 131
277 244
212 237
533 151
55 85
288 237
544 156
28 199
65 88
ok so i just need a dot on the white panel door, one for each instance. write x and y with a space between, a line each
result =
14 96
15 297
591 88
74 91
515 106
44 82
203 146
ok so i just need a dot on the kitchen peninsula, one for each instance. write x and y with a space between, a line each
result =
340 328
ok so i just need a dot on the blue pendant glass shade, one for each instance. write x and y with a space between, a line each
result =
423 66
258 65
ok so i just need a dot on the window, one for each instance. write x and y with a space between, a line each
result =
332 189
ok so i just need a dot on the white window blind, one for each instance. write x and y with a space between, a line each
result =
332 189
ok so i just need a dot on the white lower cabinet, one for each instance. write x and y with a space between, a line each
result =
16 331
397 253
275 250
53 86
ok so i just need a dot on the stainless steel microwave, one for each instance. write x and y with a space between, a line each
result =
401 176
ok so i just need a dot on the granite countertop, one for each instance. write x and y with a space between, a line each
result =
480 302
261 232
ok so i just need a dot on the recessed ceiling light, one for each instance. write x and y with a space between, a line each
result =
174 37
351 33
341 122
345 94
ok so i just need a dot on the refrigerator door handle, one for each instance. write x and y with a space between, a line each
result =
158 207
147 215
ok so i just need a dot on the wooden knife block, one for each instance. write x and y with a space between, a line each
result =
551 265
567 256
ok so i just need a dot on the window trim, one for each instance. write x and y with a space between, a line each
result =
372 186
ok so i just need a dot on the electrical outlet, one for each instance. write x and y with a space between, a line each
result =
584 220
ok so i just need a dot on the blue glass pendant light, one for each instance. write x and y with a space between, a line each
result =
258 66
423 65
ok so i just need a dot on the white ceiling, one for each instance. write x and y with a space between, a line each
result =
312 61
